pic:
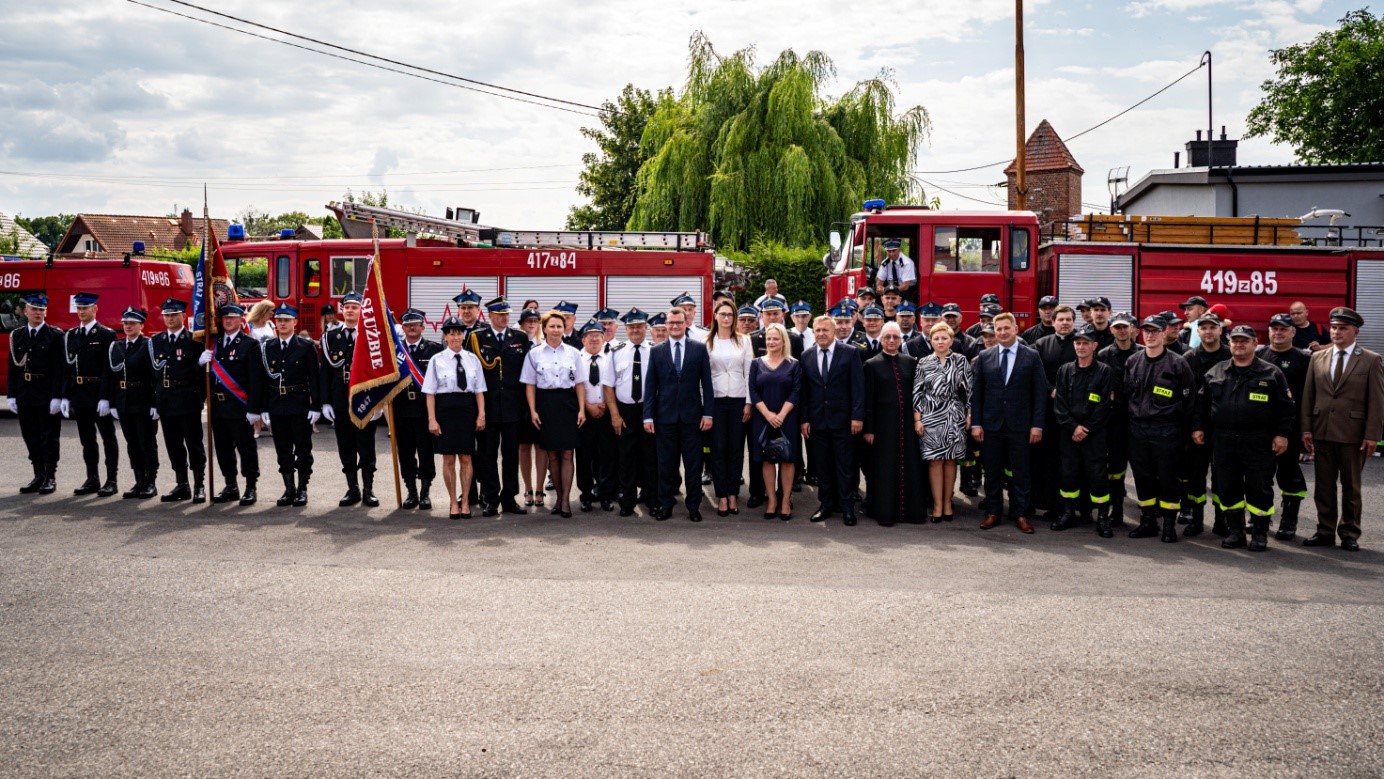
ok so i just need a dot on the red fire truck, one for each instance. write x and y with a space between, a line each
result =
962 255
618 270
121 284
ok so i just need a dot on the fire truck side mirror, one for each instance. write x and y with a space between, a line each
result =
834 238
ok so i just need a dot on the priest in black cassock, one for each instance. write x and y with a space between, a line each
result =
898 484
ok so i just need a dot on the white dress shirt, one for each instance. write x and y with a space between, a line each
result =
621 374
442 373
896 274
593 393
730 367
548 367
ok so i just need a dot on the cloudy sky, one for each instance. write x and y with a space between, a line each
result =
113 107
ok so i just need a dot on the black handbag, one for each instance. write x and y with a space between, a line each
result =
775 450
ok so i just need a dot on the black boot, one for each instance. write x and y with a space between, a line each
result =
133 492
109 488
179 492
249 497
1184 517
1103 522
286 499
1235 530
300 497
1148 523
1218 526
1068 519
1117 501
231 492
89 486
367 493
1169 526
1259 534
1287 526
199 488
33 485
49 485
352 496
1196 523
411 499
424 500
151 487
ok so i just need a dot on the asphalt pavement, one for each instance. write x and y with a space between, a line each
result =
148 639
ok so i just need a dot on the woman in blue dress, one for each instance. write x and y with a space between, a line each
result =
775 384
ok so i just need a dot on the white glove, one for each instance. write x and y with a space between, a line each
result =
103 408
14 405
313 416
115 414
204 357
154 414
377 416
55 406
66 408
328 413
254 419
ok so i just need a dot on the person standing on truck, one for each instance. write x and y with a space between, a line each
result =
237 398
771 292
501 351
1197 462
1158 388
1082 402
1294 364
1122 326
35 391
897 270
178 386
1046 306
87 346
293 400
355 446
1254 415
416 461
1308 335
127 391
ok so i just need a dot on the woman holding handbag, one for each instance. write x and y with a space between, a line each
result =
775 384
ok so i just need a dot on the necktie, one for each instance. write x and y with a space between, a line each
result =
1340 367
825 352
1004 365
594 377
285 343
637 383
677 356
461 376
874 345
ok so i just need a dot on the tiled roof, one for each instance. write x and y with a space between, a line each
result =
116 233
29 246
1045 150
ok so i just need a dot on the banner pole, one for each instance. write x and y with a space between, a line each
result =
208 342
394 455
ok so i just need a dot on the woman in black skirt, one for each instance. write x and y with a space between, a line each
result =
455 388
555 404
533 461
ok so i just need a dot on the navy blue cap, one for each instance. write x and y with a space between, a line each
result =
634 317
565 307
847 303
1281 320
285 310
468 297
452 323
352 297
174 306
658 320
802 306
776 304
1155 322
133 314
1243 331
841 312
892 243
327 309
84 299
951 308
529 313
872 312
1124 318
722 293
1047 300
231 309
607 315
498 306
413 316
930 309
1086 332
683 300
906 308
591 326
747 310
37 300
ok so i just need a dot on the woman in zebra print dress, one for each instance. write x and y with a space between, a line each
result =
941 415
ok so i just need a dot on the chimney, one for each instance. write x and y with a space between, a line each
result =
185 223
1177 159
1222 151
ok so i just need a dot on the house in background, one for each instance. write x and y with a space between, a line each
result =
30 248
1051 175
110 236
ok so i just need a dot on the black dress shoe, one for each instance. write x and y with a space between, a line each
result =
607 505
513 507
489 510
410 500
848 517
147 491
31 487
1319 540
722 512
822 515
695 515
367 498
585 505
300 498
948 517
424 502
756 501
89 486
454 515
249 497
108 489
285 499
228 493
48 487
351 498
1350 546
771 514
660 513
179 492
568 513
199 493
627 511
464 515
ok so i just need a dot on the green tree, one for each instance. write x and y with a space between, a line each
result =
749 153
10 242
49 229
798 271
1328 95
608 178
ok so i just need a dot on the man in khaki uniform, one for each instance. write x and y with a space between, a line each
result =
1342 421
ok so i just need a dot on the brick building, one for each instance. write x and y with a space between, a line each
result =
1053 177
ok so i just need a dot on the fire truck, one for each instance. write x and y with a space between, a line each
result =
1256 267
133 281
440 257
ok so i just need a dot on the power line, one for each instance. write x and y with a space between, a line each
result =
958 194
215 179
377 66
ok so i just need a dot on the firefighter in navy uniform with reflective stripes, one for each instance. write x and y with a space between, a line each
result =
501 350
415 443
1158 387
1082 404
87 348
354 445
293 401
1125 329
236 404
35 391
1294 363
179 384
1249 403
127 386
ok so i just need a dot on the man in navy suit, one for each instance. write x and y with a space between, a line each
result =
1008 402
833 403
677 410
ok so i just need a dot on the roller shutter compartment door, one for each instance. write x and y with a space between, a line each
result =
584 291
1081 276
1369 302
651 294
433 295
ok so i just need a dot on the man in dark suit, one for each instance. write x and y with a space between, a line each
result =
236 404
88 347
355 446
677 410
1342 422
501 350
179 384
127 389
416 460
35 391
293 400
833 410
1009 395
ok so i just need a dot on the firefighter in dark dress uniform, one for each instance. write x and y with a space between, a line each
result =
411 417
293 400
569 318
237 399
88 346
354 445
35 391
1294 363
127 387
179 381
501 350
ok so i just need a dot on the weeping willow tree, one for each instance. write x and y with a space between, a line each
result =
749 153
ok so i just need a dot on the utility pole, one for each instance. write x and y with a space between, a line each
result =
1020 181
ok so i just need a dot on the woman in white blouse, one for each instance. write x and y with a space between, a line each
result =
555 403
455 390
731 355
